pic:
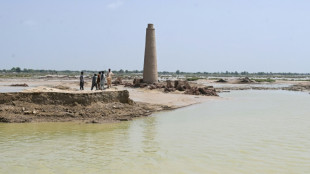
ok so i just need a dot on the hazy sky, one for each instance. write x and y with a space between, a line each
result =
192 35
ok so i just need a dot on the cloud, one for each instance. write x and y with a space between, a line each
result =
115 5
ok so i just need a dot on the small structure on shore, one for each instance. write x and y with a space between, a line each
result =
150 74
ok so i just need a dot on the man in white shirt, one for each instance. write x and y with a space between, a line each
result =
109 78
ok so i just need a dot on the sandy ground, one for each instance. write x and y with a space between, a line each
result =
172 100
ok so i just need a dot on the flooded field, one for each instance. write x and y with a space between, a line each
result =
246 132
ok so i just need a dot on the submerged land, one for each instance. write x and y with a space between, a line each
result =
57 98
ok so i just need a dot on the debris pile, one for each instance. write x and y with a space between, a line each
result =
169 84
178 85
201 91
222 81
117 81
246 80
298 87
181 85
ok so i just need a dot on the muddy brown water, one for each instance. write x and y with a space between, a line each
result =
248 132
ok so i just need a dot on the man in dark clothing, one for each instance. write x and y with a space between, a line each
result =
98 81
81 81
102 80
94 84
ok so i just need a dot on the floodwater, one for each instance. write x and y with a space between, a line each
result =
5 86
5 89
247 132
261 85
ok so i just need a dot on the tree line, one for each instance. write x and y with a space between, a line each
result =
178 72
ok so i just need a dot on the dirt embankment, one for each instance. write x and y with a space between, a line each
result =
90 107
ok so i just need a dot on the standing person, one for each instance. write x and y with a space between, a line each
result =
98 80
82 81
110 74
93 84
102 80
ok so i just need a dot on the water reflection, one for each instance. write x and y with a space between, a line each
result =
250 132
5 89
150 144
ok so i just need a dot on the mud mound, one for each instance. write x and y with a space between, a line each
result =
245 80
22 85
201 91
221 81
62 87
97 107
62 98
298 87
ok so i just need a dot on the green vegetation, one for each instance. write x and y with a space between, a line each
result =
193 78
15 75
214 78
264 80
303 80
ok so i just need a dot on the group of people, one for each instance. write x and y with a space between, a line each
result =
99 80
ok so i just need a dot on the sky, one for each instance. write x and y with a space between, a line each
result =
191 35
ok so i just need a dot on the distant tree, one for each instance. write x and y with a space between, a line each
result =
261 73
244 73
126 71
121 71
18 69
177 72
